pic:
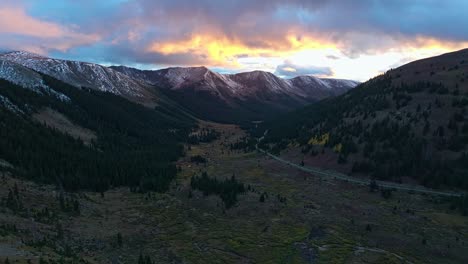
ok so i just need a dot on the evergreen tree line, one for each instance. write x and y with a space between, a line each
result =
197 159
227 189
204 136
246 143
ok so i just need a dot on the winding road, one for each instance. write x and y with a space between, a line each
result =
340 176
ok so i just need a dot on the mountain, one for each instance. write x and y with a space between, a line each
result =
83 74
228 98
409 124
27 78
20 75
241 85
52 132
237 97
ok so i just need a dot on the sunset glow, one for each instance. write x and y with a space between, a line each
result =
330 38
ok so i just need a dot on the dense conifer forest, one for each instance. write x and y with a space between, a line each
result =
136 146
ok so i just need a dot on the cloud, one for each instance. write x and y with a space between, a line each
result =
13 20
18 30
227 34
333 57
289 70
218 33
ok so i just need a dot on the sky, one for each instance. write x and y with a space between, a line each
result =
349 39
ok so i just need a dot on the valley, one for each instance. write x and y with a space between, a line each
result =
117 165
233 132
300 219
238 98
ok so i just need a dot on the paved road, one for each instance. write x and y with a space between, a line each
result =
340 176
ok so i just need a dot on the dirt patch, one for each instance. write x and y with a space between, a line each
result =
60 122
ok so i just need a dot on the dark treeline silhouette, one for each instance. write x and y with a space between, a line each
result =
203 136
246 144
227 189
197 159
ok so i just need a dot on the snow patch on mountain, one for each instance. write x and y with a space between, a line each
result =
5 102
56 94
20 76
80 74
136 84
339 82
28 79
242 86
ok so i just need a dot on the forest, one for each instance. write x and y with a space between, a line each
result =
136 146
387 130
227 189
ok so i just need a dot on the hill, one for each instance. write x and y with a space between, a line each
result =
407 124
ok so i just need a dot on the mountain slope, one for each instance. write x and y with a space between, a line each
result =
27 78
237 97
408 123
126 144
20 75
82 74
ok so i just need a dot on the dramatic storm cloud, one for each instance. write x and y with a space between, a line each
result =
340 38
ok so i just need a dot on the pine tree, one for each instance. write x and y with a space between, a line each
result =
262 198
76 206
15 188
59 229
148 260
119 240
373 186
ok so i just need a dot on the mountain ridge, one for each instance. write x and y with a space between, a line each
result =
179 77
226 98
80 74
238 98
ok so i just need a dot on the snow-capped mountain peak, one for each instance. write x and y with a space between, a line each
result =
210 94
22 54
241 85
20 75
27 78
80 74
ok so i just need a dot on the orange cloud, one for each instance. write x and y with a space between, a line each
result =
223 51
218 50
429 43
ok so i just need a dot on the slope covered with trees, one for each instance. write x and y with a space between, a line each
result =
135 146
409 122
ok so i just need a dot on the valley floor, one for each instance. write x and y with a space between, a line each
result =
302 220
